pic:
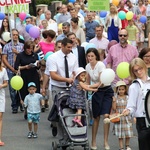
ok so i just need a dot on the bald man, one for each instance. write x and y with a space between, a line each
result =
121 52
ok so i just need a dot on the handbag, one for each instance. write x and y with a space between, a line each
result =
116 120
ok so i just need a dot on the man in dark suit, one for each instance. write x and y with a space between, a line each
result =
77 50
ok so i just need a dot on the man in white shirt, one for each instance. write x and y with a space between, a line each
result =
99 41
55 68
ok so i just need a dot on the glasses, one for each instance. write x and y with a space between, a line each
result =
15 35
137 70
122 35
147 56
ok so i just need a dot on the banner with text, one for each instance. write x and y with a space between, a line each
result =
14 6
95 5
13 2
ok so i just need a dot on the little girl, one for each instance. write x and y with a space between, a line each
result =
77 99
123 129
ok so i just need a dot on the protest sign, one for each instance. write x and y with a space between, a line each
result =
95 5
14 6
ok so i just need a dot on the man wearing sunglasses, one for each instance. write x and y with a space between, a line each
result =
121 52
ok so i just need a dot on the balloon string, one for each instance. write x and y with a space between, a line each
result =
19 95
95 92
18 72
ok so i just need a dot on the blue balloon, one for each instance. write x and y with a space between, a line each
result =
28 15
47 55
103 14
28 27
42 17
2 16
72 1
143 19
90 45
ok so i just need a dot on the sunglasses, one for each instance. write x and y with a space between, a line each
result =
122 35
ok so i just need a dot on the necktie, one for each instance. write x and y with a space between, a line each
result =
66 69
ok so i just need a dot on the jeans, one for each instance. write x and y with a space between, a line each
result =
12 92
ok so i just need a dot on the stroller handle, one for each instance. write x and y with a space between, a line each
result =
73 115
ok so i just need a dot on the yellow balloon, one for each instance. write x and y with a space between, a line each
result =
129 42
123 70
60 26
115 2
16 82
129 15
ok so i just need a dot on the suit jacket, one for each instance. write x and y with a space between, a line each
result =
81 56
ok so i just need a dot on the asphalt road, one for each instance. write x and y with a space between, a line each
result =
15 132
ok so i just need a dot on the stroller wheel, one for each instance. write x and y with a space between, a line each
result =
87 146
64 147
54 146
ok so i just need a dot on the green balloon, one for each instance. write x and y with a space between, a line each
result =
123 70
16 82
47 55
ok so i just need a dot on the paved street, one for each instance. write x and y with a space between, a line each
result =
15 132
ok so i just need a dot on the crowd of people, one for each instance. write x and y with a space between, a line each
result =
73 56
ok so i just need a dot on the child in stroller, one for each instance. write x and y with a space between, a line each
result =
77 99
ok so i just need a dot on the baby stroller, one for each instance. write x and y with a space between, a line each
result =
71 133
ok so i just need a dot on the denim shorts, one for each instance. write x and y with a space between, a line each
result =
102 101
35 118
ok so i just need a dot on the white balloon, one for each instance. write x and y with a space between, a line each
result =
107 76
84 44
6 36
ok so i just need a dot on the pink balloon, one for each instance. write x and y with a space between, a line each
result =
134 17
34 32
22 16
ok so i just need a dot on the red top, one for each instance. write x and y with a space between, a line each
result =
125 21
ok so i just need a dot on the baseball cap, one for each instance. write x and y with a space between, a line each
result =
31 84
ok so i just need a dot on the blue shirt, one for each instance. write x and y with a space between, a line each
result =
33 103
61 37
63 18
90 28
7 50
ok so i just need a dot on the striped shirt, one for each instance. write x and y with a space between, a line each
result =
118 54
7 50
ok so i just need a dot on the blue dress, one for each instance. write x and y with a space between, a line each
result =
113 32
77 97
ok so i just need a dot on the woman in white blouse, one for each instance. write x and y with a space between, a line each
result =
136 100
102 99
